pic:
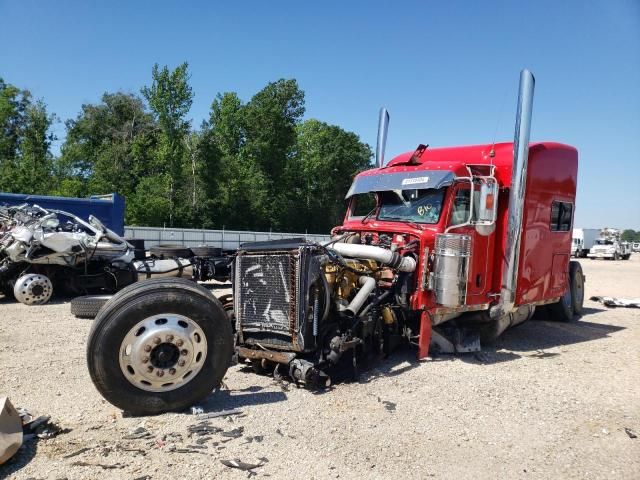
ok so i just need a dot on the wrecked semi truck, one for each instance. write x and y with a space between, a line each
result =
440 249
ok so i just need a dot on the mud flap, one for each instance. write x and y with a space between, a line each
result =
425 335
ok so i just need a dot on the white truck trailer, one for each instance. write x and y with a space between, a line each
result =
583 240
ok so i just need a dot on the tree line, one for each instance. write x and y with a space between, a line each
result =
630 236
253 165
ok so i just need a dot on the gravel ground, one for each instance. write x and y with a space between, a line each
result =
549 400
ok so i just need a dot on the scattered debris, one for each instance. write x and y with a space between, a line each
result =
221 413
617 302
133 450
77 452
390 406
195 410
183 450
631 433
255 438
203 428
246 467
138 433
235 433
114 466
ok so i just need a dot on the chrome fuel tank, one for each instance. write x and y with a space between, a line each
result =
451 268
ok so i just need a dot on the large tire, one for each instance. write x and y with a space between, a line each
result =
206 251
88 306
576 281
167 250
562 310
159 304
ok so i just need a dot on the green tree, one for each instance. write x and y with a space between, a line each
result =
170 98
35 164
109 148
320 173
13 119
269 121
236 184
629 236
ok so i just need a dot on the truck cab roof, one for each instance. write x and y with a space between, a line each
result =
456 159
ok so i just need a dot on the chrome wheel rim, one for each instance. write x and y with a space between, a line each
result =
163 352
33 289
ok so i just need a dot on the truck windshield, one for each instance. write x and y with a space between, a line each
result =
415 205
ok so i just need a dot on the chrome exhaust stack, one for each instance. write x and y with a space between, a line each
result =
506 304
381 145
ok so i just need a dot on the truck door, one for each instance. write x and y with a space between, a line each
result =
482 246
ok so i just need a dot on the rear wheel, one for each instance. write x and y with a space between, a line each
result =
562 310
576 281
159 345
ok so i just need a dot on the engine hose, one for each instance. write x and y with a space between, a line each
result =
376 301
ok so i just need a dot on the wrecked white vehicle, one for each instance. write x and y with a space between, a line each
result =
41 249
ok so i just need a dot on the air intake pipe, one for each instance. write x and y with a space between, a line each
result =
382 255
506 304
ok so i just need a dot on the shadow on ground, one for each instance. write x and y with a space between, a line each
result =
529 339
22 458
247 397
532 338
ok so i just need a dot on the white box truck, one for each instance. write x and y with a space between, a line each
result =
583 240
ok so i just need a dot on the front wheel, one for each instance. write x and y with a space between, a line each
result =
159 345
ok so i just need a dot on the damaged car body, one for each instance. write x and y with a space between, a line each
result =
45 249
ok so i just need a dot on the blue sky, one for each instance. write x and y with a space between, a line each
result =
447 71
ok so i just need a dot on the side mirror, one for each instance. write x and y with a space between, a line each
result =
487 206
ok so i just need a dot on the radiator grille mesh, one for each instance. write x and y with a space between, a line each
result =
266 296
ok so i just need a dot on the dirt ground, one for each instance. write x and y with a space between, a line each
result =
549 400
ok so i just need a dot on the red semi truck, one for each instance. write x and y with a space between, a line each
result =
440 248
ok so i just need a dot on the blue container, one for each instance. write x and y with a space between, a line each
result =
109 209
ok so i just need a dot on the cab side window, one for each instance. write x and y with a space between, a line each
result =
362 204
561 216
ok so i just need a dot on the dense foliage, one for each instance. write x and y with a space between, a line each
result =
630 236
252 165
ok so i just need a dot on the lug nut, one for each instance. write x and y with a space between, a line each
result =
145 359
157 340
149 369
172 371
182 363
169 338
184 352
160 373
179 343
147 348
